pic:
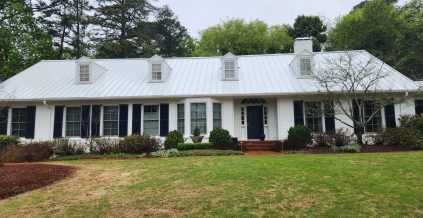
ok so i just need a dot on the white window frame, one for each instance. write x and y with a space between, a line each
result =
305 70
382 125
156 74
243 115
229 58
102 120
265 115
66 121
178 118
191 118
322 116
86 67
143 118
11 121
229 71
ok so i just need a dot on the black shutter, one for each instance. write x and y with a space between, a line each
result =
356 115
298 113
123 120
58 121
390 116
30 122
85 121
4 114
95 120
329 117
136 119
164 119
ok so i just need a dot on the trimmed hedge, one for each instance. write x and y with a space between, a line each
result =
220 138
195 146
173 138
6 140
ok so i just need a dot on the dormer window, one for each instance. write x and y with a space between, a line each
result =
84 73
158 69
229 67
305 66
156 72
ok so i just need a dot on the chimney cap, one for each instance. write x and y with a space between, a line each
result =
303 39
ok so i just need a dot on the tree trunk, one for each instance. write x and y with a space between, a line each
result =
359 138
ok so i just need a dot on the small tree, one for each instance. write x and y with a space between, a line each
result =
348 77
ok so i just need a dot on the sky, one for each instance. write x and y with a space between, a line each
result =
197 15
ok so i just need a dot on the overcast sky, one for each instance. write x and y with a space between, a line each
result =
197 15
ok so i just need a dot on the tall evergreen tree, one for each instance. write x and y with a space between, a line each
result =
172 38
66 21
120 22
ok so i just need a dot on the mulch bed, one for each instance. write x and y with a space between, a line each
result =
19 178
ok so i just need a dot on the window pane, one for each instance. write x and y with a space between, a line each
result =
151 119
19 122
217 115
181 118
305 67
375 122
156 72
313 115
110 120
73 121
199 117
84 72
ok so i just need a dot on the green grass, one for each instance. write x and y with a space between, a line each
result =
97 156
335 185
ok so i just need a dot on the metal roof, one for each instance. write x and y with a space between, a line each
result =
258 75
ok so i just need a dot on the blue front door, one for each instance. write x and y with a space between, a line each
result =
255 122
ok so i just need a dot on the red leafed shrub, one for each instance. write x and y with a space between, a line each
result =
34 151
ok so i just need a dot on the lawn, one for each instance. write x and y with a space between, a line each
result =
345 185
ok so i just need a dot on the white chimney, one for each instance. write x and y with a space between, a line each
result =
301 44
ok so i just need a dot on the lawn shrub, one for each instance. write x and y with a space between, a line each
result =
414 122
173 138
195 146
34 151
6 140
64 147
401 136
322 140
105 146
220 138
342 137
173 152
349 148
299 137
138 144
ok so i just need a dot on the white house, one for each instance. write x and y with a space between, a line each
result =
248 95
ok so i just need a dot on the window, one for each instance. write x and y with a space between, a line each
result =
111 120
181 118
199 117
19 122
242 116
73 121
305 66
376 122
229 69
151 119
156 72
84 72
264 114
217 115
313 116
419 107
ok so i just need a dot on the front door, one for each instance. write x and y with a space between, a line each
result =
255 122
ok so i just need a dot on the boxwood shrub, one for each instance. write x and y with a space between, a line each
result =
195 146
220 138
173 138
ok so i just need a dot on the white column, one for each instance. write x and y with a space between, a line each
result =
130 113
285 116
228 116
173 116
209 111
187 118
42 122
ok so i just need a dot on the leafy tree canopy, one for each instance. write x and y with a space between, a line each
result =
242 38
22 42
